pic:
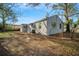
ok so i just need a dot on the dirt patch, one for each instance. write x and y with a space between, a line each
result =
39 45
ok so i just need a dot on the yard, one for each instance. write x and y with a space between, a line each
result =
27 44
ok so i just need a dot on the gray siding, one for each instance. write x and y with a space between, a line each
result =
23 28
56 29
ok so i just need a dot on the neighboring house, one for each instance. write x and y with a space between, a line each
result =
76 29
12 27
16 27
49 26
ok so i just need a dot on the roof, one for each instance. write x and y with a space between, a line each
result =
38 21
45 19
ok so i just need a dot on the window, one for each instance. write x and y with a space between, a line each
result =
39 25
60 26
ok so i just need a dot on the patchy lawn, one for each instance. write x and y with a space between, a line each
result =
5 34
38 45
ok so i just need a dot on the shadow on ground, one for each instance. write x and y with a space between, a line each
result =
3 51
24 44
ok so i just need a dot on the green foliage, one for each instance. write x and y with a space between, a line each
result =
6 13
78 22
69 21
69 9
33 31
9 27
75 25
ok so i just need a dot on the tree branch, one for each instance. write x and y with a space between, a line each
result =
73 14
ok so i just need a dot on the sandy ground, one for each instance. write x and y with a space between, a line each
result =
23 44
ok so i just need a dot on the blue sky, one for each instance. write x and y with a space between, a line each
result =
29 14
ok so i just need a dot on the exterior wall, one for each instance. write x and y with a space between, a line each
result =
46 26
77 29
56 29
23 28
29 28
43 29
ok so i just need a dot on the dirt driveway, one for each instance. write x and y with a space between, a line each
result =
24 44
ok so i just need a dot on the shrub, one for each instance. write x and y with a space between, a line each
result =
33 31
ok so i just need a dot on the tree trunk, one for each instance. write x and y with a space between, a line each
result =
66 12
3 23
68 27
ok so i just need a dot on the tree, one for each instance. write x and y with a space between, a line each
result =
78 21
6 13
14 20
69 10
76 24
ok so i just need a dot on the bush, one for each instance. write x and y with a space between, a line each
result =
33 31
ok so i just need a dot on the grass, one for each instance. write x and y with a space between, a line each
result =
5 34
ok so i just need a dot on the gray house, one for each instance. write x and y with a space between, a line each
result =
47 26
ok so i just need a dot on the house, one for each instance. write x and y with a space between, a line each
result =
16 26
76 29
47 26
23 28
13 27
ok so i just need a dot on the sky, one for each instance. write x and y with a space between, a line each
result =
29 14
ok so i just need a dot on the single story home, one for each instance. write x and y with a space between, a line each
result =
46 26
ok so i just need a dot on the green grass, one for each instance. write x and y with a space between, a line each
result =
5 34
